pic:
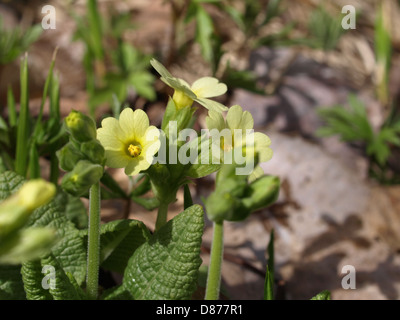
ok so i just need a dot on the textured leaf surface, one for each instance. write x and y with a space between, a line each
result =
324 295
32 278
166 267
118 241
70 250
60 286
11 286
64 288
9 183
76 212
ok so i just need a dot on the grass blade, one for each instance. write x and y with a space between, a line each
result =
12 112
44 96
23 122
269 277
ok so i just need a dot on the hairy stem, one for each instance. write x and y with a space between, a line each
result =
162 215
214 271
93 261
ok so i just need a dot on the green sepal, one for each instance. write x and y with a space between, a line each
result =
172 114
82 177
81 127
94 151
68 156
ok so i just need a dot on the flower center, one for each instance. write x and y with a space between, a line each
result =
227 145
134 150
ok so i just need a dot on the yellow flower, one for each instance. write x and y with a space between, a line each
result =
35 193
129 142
237 123
199 91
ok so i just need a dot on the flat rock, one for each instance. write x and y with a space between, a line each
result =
328 216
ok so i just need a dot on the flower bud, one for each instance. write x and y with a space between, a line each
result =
82 177
81 127
69 156
220 206
15 210
35 193
262 192
27 244
94 151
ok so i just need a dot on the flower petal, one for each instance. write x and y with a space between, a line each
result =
110 134
136 165
211 105
247 121
116 158
257 173
160 69
208 87
134 123
262 143
214 120
234 117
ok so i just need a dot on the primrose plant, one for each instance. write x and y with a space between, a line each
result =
156 264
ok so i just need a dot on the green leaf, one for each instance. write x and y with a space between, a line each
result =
76 212
143 83
11 286
21 156
9 183
269 285
119 239
269 277
32 277
64 288
324 295
116 293
204 33
166 267
70 249
147 203
49 271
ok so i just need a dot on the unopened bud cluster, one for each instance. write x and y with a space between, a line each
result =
235 198
83 156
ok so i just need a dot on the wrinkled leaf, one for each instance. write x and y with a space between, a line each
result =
166 267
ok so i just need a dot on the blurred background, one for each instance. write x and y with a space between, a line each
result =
322 81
